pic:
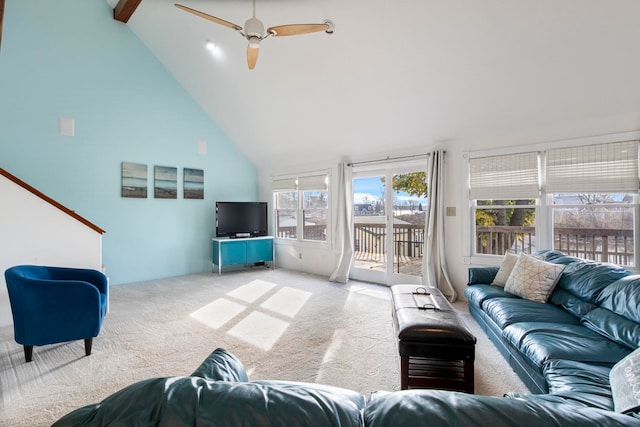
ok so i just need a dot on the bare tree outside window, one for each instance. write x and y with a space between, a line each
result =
595 226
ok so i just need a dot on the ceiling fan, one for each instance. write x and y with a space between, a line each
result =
254 30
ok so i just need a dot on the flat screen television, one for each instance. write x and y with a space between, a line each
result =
241 219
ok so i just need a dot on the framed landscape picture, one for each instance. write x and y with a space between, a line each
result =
193 184
165 182
134 180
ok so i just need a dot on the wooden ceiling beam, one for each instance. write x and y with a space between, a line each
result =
1 16
124 9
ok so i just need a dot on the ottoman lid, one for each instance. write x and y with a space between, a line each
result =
433 326
422 314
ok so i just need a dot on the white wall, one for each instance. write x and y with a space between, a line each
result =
32 231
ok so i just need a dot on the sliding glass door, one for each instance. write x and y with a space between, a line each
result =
389 208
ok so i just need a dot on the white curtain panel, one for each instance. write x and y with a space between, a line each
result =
343 225
434 266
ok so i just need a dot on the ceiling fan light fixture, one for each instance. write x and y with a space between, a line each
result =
254 42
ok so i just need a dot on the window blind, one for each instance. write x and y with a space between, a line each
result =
602 168
284 184
310 182
509 177
315 182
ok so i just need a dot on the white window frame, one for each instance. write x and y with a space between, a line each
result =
544 207
303 182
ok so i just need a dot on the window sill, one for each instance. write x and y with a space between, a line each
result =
295 242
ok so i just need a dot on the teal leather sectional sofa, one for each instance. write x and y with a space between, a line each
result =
219 394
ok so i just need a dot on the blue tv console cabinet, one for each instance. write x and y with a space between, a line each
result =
242 251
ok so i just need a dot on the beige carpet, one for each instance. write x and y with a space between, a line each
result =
281 324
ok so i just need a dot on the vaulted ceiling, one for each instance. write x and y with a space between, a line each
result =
402 75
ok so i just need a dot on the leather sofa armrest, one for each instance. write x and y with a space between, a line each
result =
482 275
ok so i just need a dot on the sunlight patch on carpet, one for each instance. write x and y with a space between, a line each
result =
287 301
252 290
380 292
218 312
354 301
260 330
332 356
333 351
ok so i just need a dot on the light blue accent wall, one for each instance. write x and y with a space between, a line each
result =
70 58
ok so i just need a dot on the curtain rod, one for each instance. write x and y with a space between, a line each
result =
389 159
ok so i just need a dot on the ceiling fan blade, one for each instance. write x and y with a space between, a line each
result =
296 29
252 56
209 17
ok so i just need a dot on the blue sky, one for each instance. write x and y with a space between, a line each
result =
373 188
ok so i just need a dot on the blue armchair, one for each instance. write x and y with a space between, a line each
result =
55 304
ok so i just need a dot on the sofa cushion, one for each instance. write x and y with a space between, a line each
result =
581 383
586 279
189 401
437 408
562 259
331 399
622 297
613 326
555 257
508 262
506 311
574 305
542 341
477 294
532 278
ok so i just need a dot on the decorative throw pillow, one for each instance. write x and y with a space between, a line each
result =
508 262
625 383
533 279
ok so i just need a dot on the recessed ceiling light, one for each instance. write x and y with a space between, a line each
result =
211 46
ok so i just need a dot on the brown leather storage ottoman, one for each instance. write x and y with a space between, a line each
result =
436 348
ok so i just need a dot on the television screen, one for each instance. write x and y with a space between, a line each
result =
241 219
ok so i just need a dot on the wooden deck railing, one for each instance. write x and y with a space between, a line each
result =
370 244
408 243
408 239
497 239
598 244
